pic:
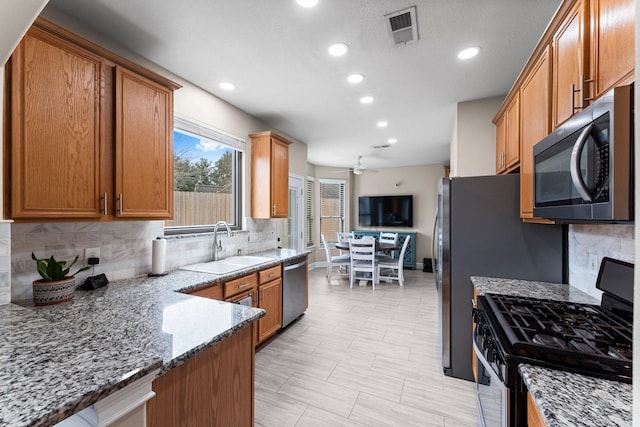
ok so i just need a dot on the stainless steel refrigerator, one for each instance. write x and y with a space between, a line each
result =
479 232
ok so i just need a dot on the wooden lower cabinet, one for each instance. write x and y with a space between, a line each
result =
534 417
270 299
214 388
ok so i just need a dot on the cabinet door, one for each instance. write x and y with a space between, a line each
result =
211 389
512 149
279 178
501 143
535 125
270 299
568 65
56 129
612 41
144 147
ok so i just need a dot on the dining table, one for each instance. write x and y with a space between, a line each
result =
380 246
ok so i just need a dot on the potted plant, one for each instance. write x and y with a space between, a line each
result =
56 285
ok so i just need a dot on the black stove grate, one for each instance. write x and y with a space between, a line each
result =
582 337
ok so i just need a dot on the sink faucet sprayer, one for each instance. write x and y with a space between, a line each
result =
218 246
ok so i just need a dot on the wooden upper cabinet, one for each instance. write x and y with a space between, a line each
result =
569 61
508 138
512 156
144 147
612 43
84 126
501 143
269 175
535 124
56 117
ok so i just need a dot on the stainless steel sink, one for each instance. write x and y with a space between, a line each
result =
227 265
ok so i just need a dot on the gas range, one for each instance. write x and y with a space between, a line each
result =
580 338
587 339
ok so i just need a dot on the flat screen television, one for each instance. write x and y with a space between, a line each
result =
385 211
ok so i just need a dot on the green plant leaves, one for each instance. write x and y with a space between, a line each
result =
51 270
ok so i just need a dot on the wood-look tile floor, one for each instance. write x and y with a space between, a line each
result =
360 357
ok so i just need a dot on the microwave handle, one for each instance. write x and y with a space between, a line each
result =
576 175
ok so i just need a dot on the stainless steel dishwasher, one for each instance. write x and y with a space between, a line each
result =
294 290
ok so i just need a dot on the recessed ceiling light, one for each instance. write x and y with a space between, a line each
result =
392 140
227 86
338 49
307 3
368 99
382 124
355 78
469 52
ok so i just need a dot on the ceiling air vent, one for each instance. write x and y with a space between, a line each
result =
402 26
381 146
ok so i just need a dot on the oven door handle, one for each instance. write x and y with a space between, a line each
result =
576 174
485 362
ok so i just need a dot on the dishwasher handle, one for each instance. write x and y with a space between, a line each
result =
295 266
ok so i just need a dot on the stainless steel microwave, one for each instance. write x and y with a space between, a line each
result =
583 171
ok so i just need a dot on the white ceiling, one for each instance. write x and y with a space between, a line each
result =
275 52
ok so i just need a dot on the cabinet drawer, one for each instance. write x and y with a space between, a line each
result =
213 292
270 274
244 283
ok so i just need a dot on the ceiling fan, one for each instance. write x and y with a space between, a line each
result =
361 167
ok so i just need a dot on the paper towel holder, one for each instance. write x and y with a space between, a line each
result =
164 273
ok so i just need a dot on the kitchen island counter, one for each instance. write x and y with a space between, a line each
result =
565 399
57 360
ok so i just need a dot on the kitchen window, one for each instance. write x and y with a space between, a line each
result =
207 170
332 207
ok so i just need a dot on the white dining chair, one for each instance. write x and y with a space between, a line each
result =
392 269
363 260
334 261
390 238
344 236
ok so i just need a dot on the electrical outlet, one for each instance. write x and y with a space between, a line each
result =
91 253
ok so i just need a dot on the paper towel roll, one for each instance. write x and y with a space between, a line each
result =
158 256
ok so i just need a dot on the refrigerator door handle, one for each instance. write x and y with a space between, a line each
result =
434 249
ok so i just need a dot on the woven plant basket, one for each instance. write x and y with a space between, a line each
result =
47 293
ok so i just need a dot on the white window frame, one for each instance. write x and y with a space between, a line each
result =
308 203
342 197
197 128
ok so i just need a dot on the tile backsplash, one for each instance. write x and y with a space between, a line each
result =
592 242
5 262
125 248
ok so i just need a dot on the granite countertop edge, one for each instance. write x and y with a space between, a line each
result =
565 399
168 289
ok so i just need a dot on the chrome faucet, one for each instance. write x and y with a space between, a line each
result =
217 248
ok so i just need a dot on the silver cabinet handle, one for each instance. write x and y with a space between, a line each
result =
104 206
584 81
244 285
120 203
274 209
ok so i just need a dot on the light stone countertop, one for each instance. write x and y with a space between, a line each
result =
565 399
57 360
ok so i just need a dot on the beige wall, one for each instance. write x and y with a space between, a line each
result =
419 181
473 143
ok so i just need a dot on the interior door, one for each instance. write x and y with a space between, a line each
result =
295 226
